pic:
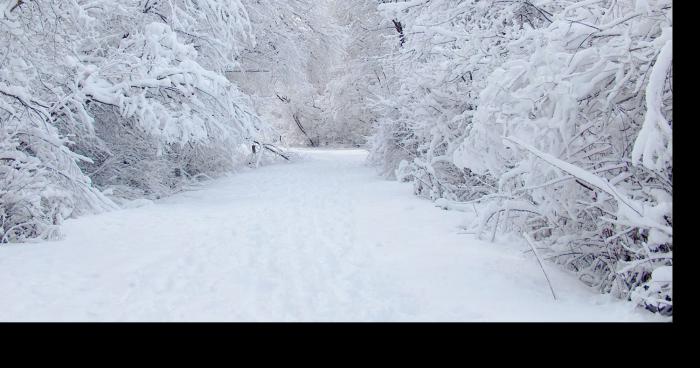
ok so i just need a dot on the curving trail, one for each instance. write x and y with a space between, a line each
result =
319 239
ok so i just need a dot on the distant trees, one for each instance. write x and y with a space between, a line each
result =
308 67
552 118
288 67
356 74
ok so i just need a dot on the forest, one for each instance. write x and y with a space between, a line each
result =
543 122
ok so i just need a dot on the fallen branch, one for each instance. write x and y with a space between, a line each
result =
272 149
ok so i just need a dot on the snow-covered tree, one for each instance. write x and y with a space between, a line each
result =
554 116
128 96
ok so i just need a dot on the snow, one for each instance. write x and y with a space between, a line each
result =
320 239
663 274
654 145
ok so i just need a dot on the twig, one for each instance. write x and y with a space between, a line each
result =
539 260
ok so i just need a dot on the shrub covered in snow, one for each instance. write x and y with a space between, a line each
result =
128 95
554 116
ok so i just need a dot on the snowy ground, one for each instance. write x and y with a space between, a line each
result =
320 239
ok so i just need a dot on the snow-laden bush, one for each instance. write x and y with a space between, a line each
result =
40 180
157 105
32 206
434 78
576 127
555 117
124 95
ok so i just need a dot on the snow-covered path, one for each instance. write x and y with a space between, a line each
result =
320 239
